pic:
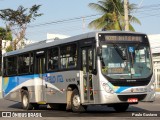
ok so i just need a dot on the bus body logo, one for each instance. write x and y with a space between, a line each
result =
54 79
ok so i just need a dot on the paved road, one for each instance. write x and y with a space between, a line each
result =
93 112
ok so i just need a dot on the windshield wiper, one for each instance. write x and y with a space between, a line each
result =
119 51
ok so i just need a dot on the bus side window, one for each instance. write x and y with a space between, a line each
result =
52 59
4 67
11 65
68 56
31 63
23 63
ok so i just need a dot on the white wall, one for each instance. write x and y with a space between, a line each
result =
54 36
154 40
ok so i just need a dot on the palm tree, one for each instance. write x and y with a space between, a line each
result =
112 18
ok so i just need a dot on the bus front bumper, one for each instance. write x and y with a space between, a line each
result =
124 97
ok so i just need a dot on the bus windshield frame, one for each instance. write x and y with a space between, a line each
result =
124 59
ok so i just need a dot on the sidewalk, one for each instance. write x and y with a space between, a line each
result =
0 94
158 95
0 87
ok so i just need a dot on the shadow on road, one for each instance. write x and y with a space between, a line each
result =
90 109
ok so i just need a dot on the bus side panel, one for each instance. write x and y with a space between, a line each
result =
12 86
37 95
57 84
151 94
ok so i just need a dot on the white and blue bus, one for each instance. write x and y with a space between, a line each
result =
112 68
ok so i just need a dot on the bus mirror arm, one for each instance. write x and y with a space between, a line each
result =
99 51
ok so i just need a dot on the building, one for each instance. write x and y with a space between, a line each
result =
56 36
155 47
5 43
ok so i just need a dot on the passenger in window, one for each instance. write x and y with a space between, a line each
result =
50 65
71 64
55 64
24 67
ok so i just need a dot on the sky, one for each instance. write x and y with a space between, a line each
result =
61 10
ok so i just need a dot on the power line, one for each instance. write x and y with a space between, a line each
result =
66 27
78 18
149 6
62 21
136 10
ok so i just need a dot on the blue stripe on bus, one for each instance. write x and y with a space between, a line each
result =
121 89
15 81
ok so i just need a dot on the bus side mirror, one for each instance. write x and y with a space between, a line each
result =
99 51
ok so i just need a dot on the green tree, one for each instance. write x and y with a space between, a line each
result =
112 18
17 21
5 34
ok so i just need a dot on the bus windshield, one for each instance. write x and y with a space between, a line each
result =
126 61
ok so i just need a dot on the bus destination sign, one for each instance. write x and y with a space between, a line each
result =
123 38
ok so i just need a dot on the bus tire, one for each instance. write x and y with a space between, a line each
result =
76 105
121 107
25 101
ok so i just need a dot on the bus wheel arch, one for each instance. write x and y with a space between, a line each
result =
76 105
70 89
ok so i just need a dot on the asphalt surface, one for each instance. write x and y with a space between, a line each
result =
138 111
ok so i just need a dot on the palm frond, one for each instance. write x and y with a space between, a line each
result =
100 23
131 28
113 15
133 19
97 7
117 26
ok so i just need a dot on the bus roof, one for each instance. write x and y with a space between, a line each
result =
45 44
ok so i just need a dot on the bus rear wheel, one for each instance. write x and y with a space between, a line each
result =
121 107
76 102
25 101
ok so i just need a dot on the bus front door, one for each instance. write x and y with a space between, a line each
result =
39 84
87 86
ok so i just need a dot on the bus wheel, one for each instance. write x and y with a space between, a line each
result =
25 101
121 107
76 102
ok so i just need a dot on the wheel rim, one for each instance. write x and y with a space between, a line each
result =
76 101
25 101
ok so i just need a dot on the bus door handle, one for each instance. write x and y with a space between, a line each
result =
46 85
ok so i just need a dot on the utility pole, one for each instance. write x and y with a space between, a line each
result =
83 24
126 15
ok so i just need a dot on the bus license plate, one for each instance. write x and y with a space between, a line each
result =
132 100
